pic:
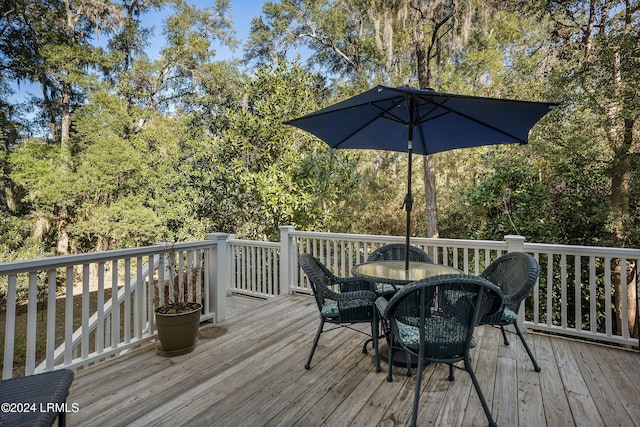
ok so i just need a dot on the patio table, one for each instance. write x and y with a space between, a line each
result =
393 273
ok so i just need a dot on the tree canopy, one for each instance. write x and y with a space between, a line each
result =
119 149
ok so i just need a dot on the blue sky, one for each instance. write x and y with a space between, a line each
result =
242 12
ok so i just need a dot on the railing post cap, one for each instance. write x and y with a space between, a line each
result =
217 236
287 228
514 238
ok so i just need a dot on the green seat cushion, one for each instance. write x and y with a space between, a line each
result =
509 316
443 332
385 288
330 309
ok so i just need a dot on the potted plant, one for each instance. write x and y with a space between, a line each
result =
178 318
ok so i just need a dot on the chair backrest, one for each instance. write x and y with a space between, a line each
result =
319 278
448 308
515 274
397 252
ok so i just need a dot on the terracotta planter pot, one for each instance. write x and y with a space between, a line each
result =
177 331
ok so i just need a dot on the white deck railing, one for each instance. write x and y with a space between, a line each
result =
596 308
581 291
113 306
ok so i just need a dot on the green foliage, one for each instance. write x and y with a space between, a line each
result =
278 175
37 166
125 223
17 242
168 149
508 198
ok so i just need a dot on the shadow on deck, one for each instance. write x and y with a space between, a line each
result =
249 371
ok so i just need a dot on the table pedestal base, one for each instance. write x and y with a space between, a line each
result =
399 357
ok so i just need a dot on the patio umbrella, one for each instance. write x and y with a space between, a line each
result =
420 121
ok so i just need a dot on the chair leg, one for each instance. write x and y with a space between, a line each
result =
452 376
409 371
487 411
390 369
526 347
504 335
375 339
416 394
376 345
315 343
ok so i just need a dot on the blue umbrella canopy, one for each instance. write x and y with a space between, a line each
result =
420 121
381 118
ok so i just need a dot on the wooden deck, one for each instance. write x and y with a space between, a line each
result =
249 371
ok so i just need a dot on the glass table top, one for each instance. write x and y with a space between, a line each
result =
394 271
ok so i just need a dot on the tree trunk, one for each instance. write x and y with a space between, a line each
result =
65 125
430 196
63 235
14 195
424 80
632 293
630 270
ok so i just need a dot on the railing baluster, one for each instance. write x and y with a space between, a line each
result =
577 292
115 306
31 323
536 295
51 317
593 298
9 328
550 287
624 298
68 317
100 309
138 300
85 310
127 300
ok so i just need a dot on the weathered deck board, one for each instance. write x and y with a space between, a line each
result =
249 371
556 408
530 398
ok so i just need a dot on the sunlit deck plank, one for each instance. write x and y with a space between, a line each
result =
530 399
555 403
624 376
486 367
600 388
581 402
253 375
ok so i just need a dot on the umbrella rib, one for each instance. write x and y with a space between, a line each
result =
390 116
383 114
466 116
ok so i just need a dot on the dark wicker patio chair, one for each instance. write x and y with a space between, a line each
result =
350 301
515 274
43 396
396 252
438 330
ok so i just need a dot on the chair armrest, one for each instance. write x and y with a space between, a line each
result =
349 284
354 295
510 299
513 301
381 305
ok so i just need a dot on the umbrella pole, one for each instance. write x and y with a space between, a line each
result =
408 200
